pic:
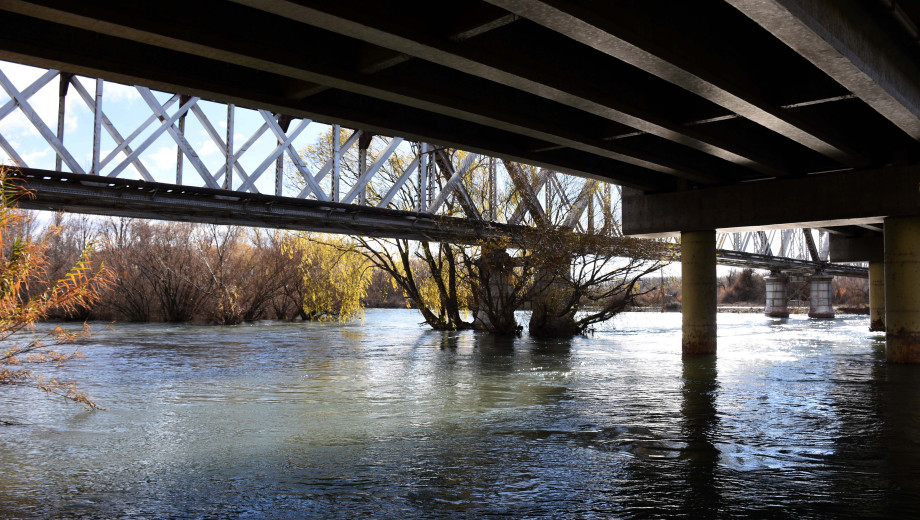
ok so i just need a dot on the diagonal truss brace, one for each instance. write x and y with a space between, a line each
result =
22 101
329 165
168 125
455 183
11 105
365 178
530 202
584 198
222 145
399 183
122 144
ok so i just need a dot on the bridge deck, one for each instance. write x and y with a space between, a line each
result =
141 199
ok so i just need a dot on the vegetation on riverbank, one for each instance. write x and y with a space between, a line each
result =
34 284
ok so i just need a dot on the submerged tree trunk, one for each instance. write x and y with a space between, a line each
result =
555 302
496 295
439 301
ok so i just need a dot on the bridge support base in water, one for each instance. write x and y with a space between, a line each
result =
902 289
776 306
698 274
877 296
820 289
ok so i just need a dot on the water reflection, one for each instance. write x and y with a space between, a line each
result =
699 428
900 401
449 339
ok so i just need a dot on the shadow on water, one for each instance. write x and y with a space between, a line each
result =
877 442
699 428
491 438
899 401
494 344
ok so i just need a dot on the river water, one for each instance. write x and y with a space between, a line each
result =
794 418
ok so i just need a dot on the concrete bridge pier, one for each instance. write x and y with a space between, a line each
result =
496 311
902 289
877 296
698 274
776 304
820 288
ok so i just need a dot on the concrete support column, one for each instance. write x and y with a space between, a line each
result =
496 309
877 296
698 286
776 305
819 287
902 289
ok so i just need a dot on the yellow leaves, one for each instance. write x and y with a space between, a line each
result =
22 264
334 275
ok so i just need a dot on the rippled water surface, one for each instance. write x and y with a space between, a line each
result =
794 418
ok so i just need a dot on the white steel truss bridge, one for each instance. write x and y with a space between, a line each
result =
85 145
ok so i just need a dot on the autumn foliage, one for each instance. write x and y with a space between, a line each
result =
29 294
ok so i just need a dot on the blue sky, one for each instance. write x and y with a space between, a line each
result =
125 107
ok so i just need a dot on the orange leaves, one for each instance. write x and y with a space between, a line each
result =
22 265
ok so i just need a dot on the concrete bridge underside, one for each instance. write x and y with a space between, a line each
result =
720 115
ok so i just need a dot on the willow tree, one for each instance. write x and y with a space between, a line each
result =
584 279
335 276
574 277
429 276
28 296
432 275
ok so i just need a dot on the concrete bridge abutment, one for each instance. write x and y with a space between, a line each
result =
698 275
902 289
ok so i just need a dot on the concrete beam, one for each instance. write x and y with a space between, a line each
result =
832 199
313 69
501 66
584 26
99 56
857 249
841 39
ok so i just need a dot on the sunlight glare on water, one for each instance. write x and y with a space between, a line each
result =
385 419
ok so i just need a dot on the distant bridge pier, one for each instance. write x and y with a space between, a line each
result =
776 304
902 289
820 289
877 296
698 274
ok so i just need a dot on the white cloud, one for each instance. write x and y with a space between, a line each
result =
44 103
17 125
206 148
164 158
32 158
116 92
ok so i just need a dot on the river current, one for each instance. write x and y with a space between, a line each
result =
794 418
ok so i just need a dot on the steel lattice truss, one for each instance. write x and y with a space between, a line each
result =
358 183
